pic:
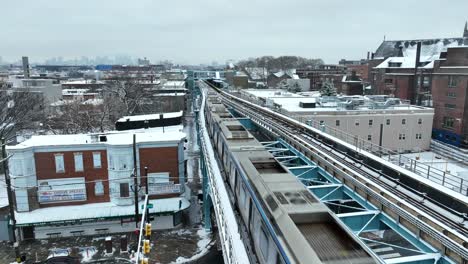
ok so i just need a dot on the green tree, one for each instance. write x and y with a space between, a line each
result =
328 89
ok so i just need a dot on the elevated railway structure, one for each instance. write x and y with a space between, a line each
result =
368 193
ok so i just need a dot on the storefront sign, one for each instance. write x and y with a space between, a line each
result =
50 196
164 188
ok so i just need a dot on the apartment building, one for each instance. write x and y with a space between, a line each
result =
449 92
82 184
382 120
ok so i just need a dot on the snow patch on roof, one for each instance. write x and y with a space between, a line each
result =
150 117
150 135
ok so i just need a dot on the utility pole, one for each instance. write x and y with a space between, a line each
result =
135 180
10 199
147 193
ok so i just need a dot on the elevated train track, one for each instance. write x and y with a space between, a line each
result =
434 216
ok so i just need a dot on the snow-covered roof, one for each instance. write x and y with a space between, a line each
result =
82 81
429 47
269 93
430 51
74 91
168 94
95 210
403 62
291 73
150 135
172 84
256 73
150 117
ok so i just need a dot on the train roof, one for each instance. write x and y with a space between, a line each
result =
302 223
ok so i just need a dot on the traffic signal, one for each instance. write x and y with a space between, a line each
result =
144 261
147 229
146 246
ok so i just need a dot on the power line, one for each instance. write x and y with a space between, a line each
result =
86 182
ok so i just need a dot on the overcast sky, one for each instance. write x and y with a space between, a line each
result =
202 31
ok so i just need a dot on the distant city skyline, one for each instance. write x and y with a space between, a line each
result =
200 32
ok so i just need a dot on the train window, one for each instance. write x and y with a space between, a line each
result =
263 243
242 196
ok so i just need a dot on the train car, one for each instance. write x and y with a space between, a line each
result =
285 221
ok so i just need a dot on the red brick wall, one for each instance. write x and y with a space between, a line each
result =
160 160
440 98
45 169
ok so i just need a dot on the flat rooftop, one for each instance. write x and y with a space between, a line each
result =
150 135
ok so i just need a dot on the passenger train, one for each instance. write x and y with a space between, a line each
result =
286 223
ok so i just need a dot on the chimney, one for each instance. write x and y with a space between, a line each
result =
26 67
418 55
400 51
465 31
372 55
368 55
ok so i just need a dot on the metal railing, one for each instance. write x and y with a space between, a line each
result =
444 178
233 247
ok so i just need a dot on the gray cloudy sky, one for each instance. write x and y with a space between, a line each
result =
201 31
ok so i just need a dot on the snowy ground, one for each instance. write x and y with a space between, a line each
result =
170 246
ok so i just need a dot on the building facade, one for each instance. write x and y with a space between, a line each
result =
382 120
449 92
90 176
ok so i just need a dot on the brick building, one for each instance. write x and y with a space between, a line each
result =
325 72
402 69
449 92
69 184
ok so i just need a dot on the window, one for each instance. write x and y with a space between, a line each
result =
111 162
97 159
371 122
99 188
403 121
242 196
420 121
78 161
402 137
451 94
59 166
388 81
369 137
124 190
450 106
418 136
388 121
448 122
263 243
356 122
337 122
452 82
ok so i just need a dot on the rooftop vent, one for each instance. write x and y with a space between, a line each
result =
238 131
268 166
294 198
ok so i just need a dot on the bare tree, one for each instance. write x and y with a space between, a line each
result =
73 117
129 92
19 110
